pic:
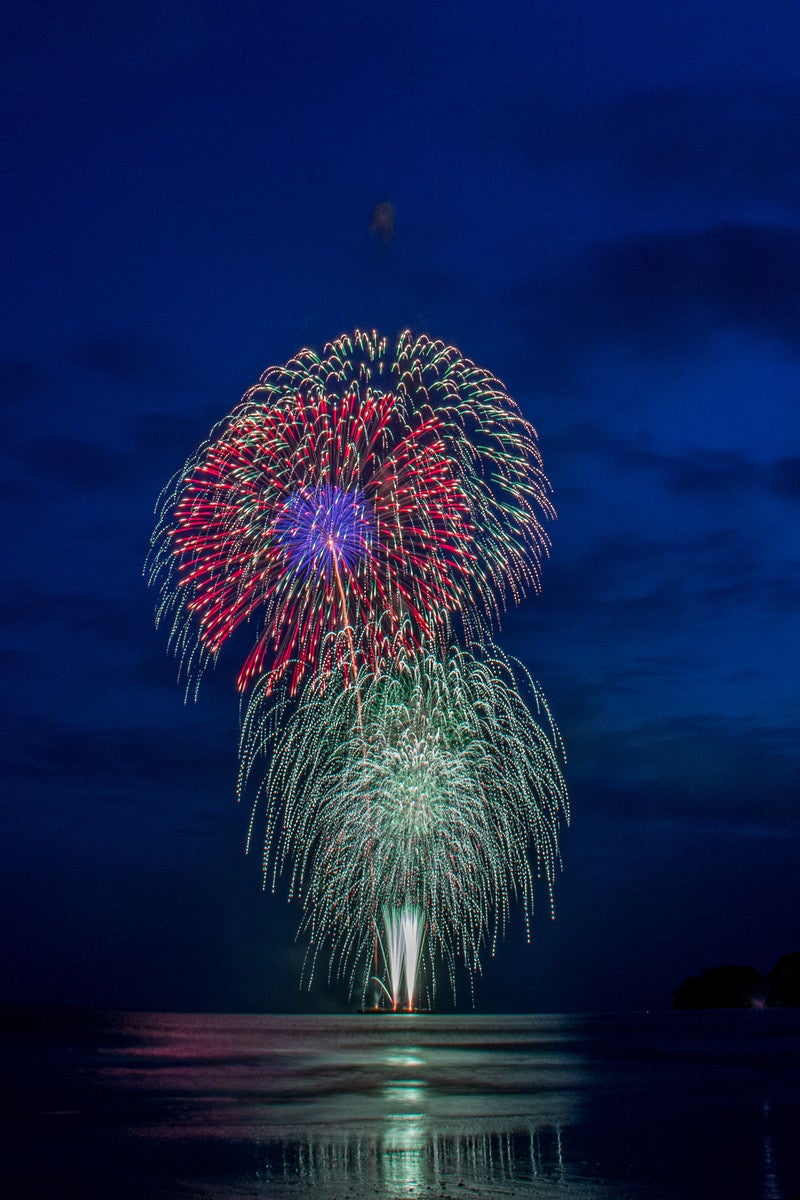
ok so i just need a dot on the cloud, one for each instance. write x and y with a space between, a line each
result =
781 589
76 463
26 605
735 142
641 627
136 765
622 566
785 477
691 769
21 380
708 474
15 492
662 296
739 275
699 471
159 432
724 144
711 473
121 356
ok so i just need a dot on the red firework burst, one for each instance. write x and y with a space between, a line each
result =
346 531
347 506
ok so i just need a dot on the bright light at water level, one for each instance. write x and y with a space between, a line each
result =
413 927
401 947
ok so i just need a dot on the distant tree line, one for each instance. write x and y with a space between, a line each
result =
743 987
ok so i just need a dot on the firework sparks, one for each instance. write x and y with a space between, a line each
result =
348 505
401 947
440 796
392 945
413 927
347 509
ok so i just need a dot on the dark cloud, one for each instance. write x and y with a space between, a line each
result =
713 473
135 765
610 563
20 381
573 443
706 473
739 275
741 141
76 463
27 605
691 770
785 476
12 660
700 471
15 492
781 589
733 771
156 432
729 144
119 356
655 611
663 296
619 564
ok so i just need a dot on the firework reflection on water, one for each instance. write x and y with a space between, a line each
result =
407 1158
633 1107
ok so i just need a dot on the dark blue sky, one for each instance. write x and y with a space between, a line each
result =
600 204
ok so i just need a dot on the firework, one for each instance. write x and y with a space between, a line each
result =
346 508
428 791
401 947
393 950
413 926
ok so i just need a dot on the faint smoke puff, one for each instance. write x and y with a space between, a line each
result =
381 224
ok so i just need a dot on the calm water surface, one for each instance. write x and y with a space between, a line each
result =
689 1105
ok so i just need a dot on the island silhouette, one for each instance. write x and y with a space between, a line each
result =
742 987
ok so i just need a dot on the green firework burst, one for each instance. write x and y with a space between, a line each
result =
431 785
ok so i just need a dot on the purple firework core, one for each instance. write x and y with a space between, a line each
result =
320 527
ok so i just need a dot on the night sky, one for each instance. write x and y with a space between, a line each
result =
600 203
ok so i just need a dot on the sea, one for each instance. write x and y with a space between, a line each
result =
678 1105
